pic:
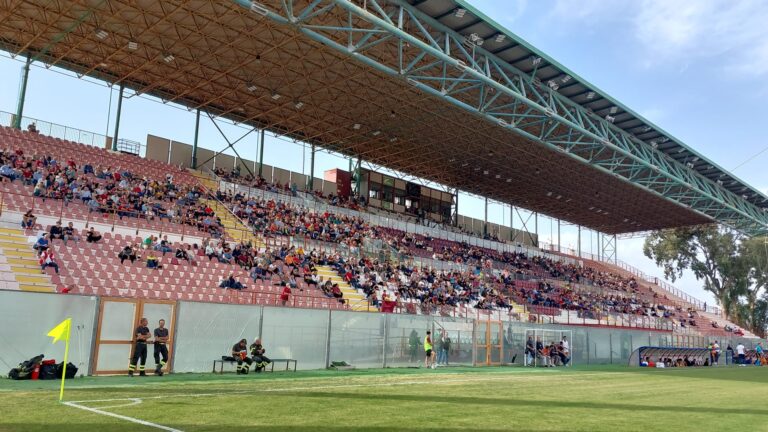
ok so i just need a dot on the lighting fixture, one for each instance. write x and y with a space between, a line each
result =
535 60
252 87
168 58
376 133
259 8
553 85
459 12
133 45
298 105
509 180
500 38
356 126
101 34
549 194
276 96
610 118
498 176
590 95
565 79
485 172
393 139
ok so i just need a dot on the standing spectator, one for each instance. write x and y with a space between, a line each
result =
741 353
286 294
445 350
529 352
716 353
92 236
47 259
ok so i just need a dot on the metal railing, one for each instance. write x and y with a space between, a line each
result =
60 131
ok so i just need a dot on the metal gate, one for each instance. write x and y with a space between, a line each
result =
118 319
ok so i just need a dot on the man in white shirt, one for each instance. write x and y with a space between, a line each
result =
741 353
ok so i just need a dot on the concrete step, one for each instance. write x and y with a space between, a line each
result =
37 287
39 278
22 261
11 253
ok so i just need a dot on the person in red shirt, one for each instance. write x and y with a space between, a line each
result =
286 294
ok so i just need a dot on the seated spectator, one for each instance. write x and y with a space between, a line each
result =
32 127
69 233
164 246
41 244
47 259
231 282
92 236
149 242
28 220
153 262
7 172
128 253
57 231
182 254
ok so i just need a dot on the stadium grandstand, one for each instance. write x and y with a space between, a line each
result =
418 89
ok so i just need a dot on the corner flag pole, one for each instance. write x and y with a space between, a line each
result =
62 331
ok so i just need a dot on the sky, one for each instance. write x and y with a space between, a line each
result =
696 68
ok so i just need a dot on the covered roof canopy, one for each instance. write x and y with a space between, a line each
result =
431 88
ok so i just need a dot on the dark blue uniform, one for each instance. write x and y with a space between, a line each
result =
139 351
161 350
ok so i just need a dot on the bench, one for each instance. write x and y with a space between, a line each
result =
288 362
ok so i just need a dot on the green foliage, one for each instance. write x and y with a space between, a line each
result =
732 267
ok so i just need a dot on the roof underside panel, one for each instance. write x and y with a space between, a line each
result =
222 58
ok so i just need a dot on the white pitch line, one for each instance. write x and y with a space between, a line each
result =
76 404
122 417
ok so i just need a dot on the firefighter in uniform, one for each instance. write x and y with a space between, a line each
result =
161 348
240 353
140 349
257 354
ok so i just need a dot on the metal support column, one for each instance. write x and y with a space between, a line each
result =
22 92
456 209
536 227
311 179
485 220
117 117
261 152
578 244
194 143
559 248
358 176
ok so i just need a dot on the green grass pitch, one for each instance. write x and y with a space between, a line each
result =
450 399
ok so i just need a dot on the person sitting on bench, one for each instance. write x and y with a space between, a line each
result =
257 354
240 353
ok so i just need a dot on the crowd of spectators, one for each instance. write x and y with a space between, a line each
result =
110 190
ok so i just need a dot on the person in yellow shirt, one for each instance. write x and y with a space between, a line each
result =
429 360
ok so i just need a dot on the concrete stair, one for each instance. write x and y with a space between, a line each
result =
19 265
234 228
357 301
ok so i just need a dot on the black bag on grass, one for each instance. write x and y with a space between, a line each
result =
48 372
71 370
25 368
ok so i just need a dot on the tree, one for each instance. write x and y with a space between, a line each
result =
710 252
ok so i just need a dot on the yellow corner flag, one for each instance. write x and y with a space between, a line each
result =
61 332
